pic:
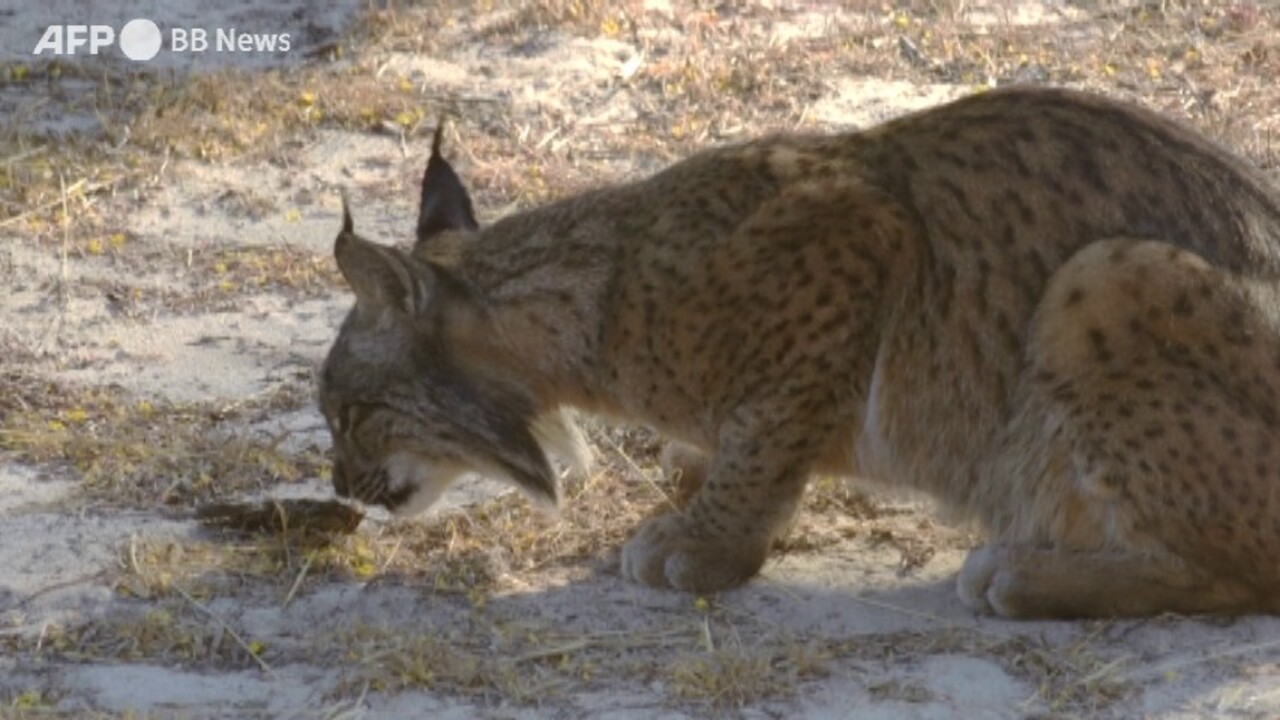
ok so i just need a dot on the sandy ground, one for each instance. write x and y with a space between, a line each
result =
854 624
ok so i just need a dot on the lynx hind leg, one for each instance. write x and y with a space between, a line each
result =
1163 372
1026 582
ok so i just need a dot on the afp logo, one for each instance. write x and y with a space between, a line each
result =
139 39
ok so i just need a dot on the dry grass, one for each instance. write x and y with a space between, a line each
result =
738 677
204 281
708 74
274 566
521 667
474 552
232 272
505 537
170 634
1081 676
1211 62
131 451
474 555
706 655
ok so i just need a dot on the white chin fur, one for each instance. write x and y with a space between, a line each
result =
428 479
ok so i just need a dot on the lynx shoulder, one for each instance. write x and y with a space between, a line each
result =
1056 313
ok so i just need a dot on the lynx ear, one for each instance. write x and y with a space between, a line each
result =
445 203
382 276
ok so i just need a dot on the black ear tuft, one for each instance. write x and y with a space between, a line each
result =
348 227
435 138
445 203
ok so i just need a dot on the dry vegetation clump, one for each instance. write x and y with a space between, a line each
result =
514 663
140 452
737 677
1081 676
474 551
275 567
52 190
1211 62
205 280
170 634
233 272
530 662
488 648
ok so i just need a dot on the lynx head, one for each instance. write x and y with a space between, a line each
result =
407 408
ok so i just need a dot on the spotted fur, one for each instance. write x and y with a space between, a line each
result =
1056 313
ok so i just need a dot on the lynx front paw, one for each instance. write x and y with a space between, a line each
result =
668 552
